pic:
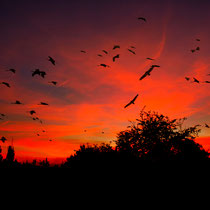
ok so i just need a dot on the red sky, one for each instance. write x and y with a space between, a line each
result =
89 97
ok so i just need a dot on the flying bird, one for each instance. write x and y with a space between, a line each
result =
187 78
37 71
43 103
115 57
206 81
132 101
3 139
207 126
12 70
17 102
51 60
133 47
82 51
116 46
132 51
105 51
6 84
32 112
53 82
104 65
195 80
42 74
197 48
142 18
3 115
100 55
152 59
198 40
147 73
192 50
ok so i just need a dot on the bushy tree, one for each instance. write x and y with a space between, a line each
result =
154 136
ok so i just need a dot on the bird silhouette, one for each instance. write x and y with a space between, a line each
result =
192 50
133 47
53 82
195 80
43 103
104 65
197 48
43 74
131 51
37 71
3 115
207 126
152 59
99 55
115 57
198 40
50 139
147 73
82 51
3 139
116 46
32 112
105 51
132 101
206 81
187 78
51 60
142 18
6 84
17 102
12 70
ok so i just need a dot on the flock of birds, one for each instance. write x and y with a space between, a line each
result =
117 56
17 102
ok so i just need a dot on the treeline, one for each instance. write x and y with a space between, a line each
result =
153 140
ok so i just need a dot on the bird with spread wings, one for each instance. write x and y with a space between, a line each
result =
132 101
51 60
147 73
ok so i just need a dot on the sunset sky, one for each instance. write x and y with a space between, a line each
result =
87 96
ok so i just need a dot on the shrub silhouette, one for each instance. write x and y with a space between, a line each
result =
92 156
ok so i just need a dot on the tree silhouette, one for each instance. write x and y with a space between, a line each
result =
155 137
10 154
